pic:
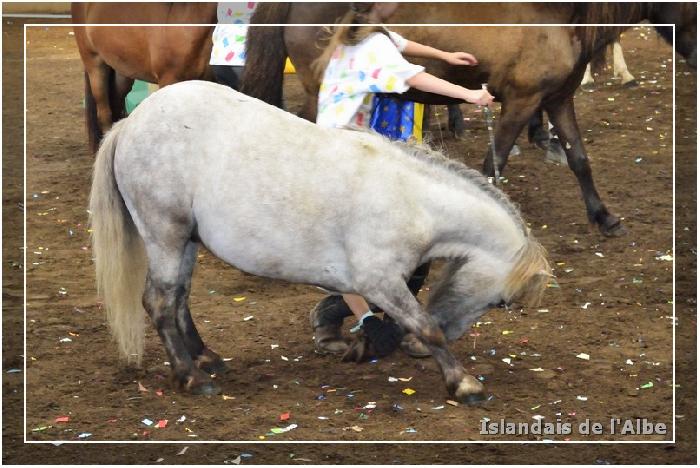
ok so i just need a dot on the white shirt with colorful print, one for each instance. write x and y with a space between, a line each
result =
355 73
228 46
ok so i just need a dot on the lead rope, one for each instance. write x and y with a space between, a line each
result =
492 142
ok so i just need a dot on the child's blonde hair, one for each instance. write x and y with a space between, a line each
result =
351 30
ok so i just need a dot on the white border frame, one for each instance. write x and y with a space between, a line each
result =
188 442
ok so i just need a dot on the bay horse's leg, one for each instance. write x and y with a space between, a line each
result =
564 120
515 113
163 294
98 74
204 358
119 88
536 133
455 120
400 304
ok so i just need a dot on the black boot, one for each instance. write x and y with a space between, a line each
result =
326 319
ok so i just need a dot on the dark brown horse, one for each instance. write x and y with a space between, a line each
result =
115 56
528 68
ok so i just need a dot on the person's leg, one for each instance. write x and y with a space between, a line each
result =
227 75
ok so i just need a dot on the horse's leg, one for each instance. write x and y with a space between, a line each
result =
564 119
400 304
620 67
98 74
515 113
204 358
455 120
588 80
118 89
164 291
536 133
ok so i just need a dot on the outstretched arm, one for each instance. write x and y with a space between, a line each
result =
432 84
415 49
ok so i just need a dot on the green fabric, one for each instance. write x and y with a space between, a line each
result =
139 92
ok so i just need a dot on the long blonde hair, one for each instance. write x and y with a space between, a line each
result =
351 29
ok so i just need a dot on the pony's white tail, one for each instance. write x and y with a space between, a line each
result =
528 279
120 260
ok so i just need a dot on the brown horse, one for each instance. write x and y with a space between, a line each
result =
527 68
115 56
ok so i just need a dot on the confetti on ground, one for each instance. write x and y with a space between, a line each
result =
438 407
181 419
239 299
250 317
506 360
393 379
62 419
226 397
65 340
506 332
537 369
162 423
84 435
405 379
41 428
585 306
13 371
647 385
581 397
668 258
273 346
354 428
285 416
538 417
583 356
147 422
629 362
452 402
142 388
410 430
408 391
600 255
284 358
281 430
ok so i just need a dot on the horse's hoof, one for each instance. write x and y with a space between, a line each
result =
415 348
615 229
630 84
475 399
555 153
211 363
470 390
588 86
328 346
205 388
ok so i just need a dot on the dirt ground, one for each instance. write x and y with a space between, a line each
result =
613 302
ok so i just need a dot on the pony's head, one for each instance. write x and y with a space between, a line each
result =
684 16
470 286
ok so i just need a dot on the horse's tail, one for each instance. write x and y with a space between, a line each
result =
120 260
528 279
94 130
266 54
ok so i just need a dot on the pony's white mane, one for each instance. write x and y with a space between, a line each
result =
424 153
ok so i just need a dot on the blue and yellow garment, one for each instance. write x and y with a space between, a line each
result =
396 118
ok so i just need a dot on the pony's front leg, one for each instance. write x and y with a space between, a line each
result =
564 120
405 309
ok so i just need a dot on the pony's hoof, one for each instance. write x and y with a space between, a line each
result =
555 153
630 84
474 399
469 390
330 346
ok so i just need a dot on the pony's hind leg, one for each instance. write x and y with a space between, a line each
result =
203 357
164 294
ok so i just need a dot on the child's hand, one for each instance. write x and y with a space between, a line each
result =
480 97
460 58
